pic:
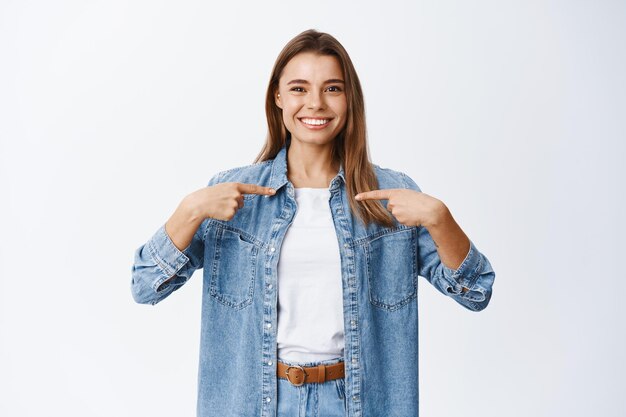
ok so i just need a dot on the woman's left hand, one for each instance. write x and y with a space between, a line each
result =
409 207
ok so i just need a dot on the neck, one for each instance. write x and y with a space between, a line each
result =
310 165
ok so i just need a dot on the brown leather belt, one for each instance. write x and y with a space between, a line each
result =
298 375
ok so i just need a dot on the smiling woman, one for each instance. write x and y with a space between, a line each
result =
311 258
313 102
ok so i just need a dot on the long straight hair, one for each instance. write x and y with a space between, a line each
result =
350 146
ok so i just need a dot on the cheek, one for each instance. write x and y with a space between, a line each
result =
289 110
343 111
341 107
288 115
343 123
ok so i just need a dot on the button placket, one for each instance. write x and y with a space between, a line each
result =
277 233
351 335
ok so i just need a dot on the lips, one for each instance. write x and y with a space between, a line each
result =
315 122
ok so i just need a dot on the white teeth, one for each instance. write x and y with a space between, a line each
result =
316 122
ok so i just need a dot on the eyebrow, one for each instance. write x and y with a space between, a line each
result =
332 80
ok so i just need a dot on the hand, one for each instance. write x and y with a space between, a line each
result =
409 207
221 201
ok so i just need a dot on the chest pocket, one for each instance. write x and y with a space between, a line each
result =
233 269
391 269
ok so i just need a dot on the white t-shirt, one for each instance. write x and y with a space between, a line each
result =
310 295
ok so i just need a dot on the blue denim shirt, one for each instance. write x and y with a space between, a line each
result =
379 267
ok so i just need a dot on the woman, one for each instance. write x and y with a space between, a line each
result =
310 258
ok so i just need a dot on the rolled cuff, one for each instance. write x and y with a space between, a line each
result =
466 275
166 255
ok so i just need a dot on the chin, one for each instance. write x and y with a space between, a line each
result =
314 140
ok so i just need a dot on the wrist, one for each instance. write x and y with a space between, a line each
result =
439 215
191 209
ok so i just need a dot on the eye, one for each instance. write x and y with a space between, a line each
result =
336 88
297 89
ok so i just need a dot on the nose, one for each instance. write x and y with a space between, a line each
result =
315 100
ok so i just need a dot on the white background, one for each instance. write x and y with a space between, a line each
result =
511 112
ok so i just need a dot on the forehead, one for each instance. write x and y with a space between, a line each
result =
311 66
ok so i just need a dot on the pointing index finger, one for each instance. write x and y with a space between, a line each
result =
255 189
373 195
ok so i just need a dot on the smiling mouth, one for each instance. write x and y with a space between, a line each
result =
315 122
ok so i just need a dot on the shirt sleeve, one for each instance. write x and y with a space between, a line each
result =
158 260
475 272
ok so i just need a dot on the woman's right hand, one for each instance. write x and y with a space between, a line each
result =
221 201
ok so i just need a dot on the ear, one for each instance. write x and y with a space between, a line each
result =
277 100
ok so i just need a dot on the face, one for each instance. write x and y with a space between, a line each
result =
312 96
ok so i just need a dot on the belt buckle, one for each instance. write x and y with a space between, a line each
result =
288 376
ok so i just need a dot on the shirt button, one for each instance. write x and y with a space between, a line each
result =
268 399
269 362
352 322
269 286
355 398
272 248
339 211
345 245
354 360
269 325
